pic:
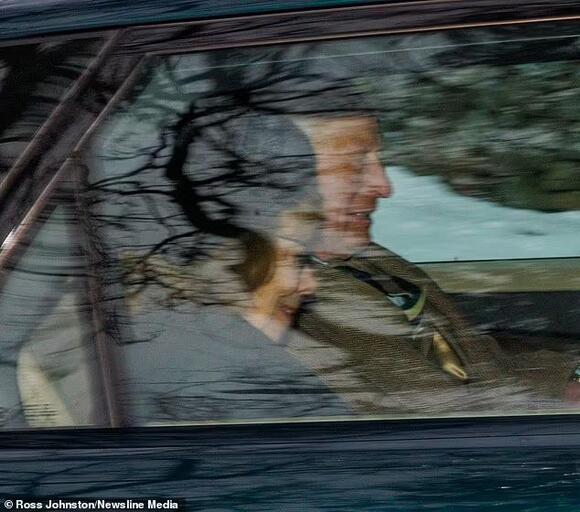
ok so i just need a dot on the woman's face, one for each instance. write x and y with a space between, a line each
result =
277 302
291 282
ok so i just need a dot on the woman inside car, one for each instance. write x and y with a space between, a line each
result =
224 348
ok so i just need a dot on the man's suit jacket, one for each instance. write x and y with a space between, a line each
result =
382 351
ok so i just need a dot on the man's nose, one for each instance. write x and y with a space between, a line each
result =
308 283
378 183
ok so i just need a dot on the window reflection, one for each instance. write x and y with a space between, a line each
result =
222 347
45 352
33 80
188 193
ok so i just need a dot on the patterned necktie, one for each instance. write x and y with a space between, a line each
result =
411 299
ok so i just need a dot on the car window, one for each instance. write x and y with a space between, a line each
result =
34 79
50 375
375 227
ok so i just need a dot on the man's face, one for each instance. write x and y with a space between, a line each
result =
351 178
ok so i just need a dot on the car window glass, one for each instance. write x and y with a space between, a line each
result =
34 78
49 369
381 226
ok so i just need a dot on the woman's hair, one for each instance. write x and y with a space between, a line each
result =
257 251
258 260
233 271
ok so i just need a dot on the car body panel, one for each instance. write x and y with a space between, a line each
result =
35 18
488 463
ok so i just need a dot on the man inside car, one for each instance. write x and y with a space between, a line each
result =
399 331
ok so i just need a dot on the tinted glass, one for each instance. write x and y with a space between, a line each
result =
34 79
383 226
49 368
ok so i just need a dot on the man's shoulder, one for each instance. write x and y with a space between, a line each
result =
377 259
